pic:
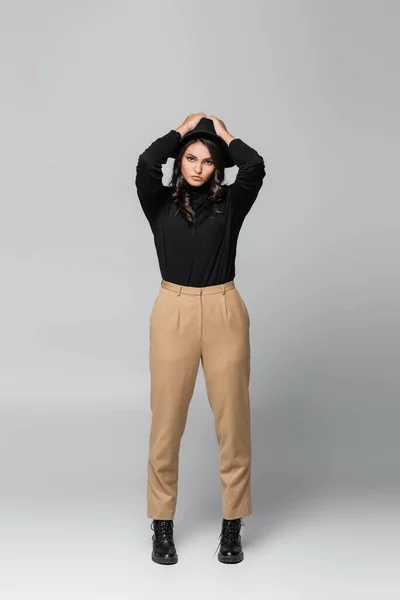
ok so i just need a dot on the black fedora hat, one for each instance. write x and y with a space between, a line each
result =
205 128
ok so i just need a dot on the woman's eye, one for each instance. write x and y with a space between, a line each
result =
190 158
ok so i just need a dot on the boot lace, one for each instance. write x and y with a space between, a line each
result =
230 531
163 529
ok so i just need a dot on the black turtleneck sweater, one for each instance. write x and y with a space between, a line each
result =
202 253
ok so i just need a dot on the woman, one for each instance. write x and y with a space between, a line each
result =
198 315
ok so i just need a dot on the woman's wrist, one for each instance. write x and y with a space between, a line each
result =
227 137
182 130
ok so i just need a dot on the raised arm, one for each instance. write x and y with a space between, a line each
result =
249 179
244 190
148 180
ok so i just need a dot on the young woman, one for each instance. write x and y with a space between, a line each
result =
198 315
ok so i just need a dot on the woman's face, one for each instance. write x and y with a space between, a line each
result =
197 162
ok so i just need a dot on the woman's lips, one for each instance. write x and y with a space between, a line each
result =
198 178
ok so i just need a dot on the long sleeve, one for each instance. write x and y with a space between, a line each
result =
148 178
249 179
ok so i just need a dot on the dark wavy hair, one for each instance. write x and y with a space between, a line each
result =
215 184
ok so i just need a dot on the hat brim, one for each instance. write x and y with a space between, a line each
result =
228 159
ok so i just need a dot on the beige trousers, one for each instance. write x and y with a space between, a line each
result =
188 325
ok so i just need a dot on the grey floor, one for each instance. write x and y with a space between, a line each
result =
332 548
74 526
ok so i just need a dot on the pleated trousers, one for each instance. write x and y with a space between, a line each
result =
189 325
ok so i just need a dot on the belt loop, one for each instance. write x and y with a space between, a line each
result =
180 288
223 289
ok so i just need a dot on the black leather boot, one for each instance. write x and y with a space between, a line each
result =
230 541
164 552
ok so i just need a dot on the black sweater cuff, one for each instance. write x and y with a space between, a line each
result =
242 153
160 150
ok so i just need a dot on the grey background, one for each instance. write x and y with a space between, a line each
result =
85 87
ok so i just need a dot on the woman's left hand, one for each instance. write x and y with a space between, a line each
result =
219 125
221 130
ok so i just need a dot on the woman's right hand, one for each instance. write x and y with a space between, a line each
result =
190 123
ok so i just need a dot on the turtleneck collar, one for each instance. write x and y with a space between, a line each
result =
197 190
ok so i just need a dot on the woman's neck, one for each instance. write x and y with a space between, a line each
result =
197 189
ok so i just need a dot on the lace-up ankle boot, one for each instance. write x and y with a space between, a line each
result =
230 541
164 552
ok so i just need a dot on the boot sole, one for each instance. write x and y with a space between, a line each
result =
230 559
170 560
